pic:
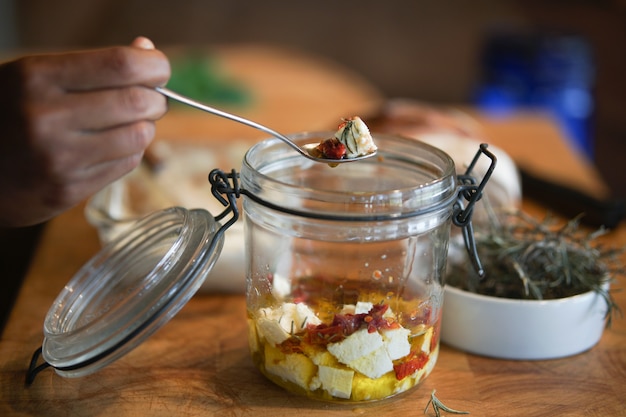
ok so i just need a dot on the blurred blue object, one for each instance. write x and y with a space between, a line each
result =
546 71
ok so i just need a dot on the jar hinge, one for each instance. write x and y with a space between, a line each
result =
34 368
220 187
468 190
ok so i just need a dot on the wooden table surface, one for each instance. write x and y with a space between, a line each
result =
199 364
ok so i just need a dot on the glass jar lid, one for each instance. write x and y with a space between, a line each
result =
131 288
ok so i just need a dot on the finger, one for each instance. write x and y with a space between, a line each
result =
143 43
64 162
105 109
114 144
106 68
88 180
96 177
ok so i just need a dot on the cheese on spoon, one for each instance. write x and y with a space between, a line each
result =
356 137
352 140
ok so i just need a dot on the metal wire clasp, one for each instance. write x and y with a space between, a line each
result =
469 191
226 193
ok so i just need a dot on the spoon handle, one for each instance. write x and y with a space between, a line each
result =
193 103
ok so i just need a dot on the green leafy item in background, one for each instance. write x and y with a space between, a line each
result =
198 76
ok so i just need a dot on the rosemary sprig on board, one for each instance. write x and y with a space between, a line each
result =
438 406
530 259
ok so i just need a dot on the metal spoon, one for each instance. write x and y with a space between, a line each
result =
307 150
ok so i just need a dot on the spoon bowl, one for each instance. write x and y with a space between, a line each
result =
307 150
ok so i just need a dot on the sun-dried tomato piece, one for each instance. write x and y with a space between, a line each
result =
332 149
409 367
375 319
343 325
323 334
291 345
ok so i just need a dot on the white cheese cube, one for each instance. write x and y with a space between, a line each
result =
276 325
337 382
287 317
389 314
348 309
373 365
428 337
293 367
281 286
363 307
396 342
271 330
323 358
294 317
356 136
432 359
315 383
358 344
305 316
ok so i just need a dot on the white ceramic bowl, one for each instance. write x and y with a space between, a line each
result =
522 329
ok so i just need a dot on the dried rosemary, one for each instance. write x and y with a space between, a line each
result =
438 406
529 259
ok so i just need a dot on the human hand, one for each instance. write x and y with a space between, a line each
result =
72 123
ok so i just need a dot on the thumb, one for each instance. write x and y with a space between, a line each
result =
143 43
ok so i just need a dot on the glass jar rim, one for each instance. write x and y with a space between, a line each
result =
437 191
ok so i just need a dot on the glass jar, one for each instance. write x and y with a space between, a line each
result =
344 270
345 266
